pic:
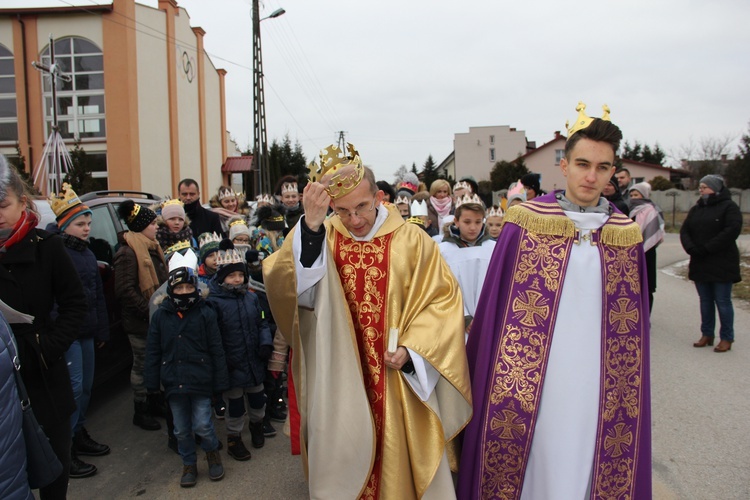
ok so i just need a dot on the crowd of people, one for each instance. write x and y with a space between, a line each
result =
419 331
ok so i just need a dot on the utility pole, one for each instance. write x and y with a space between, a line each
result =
342 141
260 143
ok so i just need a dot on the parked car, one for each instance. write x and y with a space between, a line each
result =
106 224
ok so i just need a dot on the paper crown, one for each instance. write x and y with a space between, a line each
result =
516 188
208 238
265 198
462 185
401 200
468 199
66 199
495 212
341 172
227 193
227 257
289 187
178 260
415 220
180 245
584 120
237 222
418 208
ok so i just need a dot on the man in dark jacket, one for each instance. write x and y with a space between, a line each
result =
709 236
201 219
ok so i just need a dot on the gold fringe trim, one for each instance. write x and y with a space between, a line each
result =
621 236
552 224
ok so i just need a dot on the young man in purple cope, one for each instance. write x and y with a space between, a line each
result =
559 348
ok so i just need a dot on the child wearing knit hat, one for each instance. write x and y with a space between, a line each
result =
174 225
209 246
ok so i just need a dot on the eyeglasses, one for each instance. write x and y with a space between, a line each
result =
359 211
241 241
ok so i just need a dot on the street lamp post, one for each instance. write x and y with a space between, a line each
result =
260 142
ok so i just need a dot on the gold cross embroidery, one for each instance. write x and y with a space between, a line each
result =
618 438
533 307
506 427
626 315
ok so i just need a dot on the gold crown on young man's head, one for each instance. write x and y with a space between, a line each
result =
64 200
583 120
341 172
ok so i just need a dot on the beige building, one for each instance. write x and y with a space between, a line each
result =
145 100
476 152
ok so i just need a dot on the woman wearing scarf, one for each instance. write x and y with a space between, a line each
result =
441 202
649 218
140 269
229 204
35 274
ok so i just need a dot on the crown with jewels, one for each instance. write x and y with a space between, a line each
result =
63 201
342 172
227 257
584 120
289 187
467 198
208 238
462 185
418 208
227 193
415 220
494 212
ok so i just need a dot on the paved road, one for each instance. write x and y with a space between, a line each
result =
701 423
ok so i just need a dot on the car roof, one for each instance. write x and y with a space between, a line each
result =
94 199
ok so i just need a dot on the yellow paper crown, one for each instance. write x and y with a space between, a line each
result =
64 200
415 220
343 172
238 221
180 245
172 201
583 120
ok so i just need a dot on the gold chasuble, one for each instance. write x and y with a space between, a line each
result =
364 432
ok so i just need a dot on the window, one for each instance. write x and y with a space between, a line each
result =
559 155
492 154
98 164
80 102
492 139
103 234
8 112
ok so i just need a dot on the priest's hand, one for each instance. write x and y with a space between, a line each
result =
315 200
398 359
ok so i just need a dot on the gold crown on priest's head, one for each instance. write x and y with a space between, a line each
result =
342 172
64 200
583 120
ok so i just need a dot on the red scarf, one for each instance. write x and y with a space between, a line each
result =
26 223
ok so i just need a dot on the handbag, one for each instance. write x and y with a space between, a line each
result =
42 464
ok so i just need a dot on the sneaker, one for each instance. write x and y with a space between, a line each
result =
215 469
219 411
80 469
237 449
268 430
84 445
189 476
256 434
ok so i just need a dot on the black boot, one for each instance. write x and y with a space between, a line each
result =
268 429
84 445
256 434
142 417
80 469
236 448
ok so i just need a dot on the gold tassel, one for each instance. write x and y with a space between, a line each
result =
621 236
552 224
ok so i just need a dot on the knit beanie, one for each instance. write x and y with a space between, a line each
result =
172 208
136 216
644 188
209 243
229 261
238 226
715 182
271 218
531 181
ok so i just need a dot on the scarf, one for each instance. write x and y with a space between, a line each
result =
167 238
442 207
74 242
142 246
651 222
26 223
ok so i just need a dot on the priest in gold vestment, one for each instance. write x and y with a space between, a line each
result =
375 321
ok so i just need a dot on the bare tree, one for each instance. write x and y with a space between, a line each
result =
399 174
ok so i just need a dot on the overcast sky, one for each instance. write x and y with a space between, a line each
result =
401 77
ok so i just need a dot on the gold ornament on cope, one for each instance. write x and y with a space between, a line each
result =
583 120
340 173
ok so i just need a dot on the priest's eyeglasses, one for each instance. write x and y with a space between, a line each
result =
359 211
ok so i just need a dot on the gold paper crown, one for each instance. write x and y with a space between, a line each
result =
415 220
276 218
63 201
226 257
180 245
468 199
344 172
237 222
583 120
289 187
208 238
495 212
173 201
462 185
401 200
227 193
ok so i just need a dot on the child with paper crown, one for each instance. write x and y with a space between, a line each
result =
248 344
208 253
494 222
174 225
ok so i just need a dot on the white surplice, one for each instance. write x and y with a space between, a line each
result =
469 265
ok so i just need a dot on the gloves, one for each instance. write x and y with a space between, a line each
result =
265 352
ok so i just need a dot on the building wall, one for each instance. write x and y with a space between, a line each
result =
6 33
153 102
543 161
473 149
186 68
213 127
